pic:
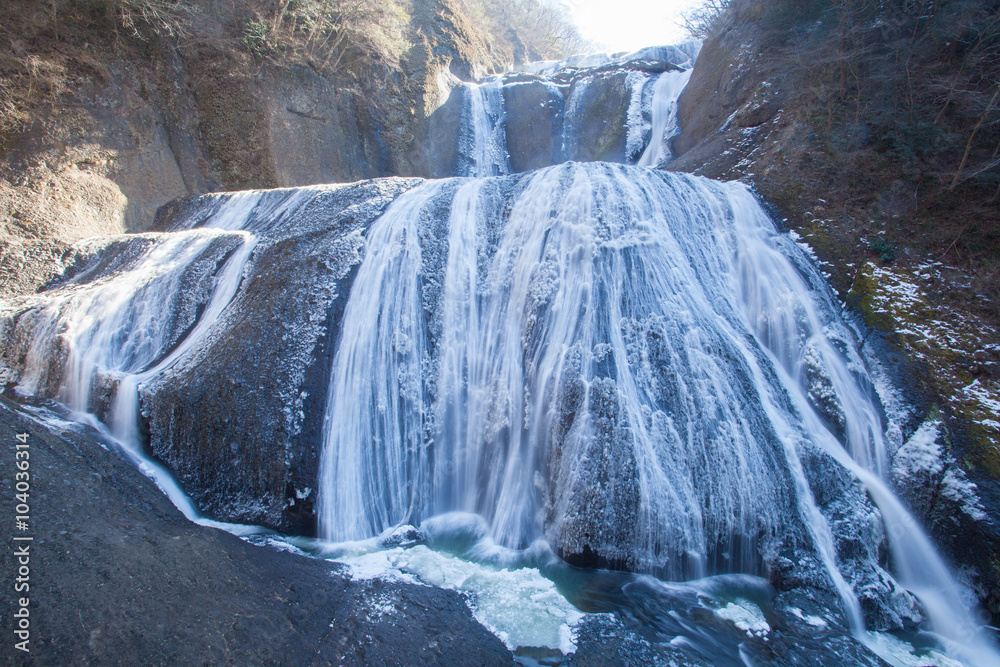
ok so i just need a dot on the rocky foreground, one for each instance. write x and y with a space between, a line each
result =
119 576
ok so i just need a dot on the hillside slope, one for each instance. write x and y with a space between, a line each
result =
111 108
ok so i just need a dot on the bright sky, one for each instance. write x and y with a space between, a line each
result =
627 25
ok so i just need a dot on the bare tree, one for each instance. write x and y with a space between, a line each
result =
701 21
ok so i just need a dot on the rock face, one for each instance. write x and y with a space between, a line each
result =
117 571
230 407
587 111
595 125
126 132
535 112
314 130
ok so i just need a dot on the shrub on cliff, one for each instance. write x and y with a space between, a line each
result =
902 102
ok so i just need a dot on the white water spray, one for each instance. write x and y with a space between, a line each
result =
667 91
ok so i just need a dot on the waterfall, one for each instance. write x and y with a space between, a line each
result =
796 337
609 358
599 306
484 140
629 367
95 340
575 103
666 92
121 329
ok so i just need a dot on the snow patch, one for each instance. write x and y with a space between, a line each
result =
520 606
921 454
746 616
815 621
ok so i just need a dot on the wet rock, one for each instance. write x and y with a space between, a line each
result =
821 391
117 571
401 536
604 639
596 109
534 123
596 497
238 423
859 539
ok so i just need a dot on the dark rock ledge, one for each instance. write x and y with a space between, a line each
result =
119 576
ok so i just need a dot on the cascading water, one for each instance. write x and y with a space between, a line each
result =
628 367
617 360
111 328
94 341
544 327
798 339
666 93
121 329
484 142
664 96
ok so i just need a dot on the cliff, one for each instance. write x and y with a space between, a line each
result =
113 108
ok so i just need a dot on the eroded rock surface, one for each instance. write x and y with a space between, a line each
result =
118 574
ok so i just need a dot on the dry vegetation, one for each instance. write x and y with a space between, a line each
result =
534 29
45 43
902 98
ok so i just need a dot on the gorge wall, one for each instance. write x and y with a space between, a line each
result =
101 127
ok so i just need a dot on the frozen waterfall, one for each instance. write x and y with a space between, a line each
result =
666 93
627 368
616 360
483 144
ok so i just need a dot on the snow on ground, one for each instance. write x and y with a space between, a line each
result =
519 606
956 346
923 458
